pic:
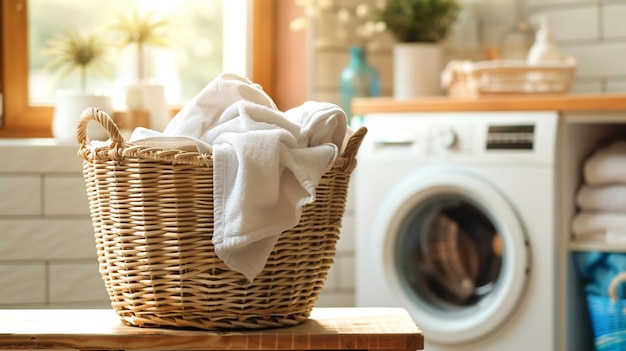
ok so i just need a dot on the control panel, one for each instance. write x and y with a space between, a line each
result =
510 137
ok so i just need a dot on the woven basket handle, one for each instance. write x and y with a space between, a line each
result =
352 147
619 278
95 114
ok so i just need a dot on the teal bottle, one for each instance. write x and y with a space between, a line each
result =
358 79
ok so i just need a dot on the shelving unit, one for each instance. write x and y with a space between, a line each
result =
583 133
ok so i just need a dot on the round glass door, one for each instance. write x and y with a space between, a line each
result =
454 253
448 253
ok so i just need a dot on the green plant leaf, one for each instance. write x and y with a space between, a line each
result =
419 20
76 50
142 28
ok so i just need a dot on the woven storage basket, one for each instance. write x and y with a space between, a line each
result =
152 213
608 317
508 77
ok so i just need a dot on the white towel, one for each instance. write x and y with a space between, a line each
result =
590 223
599 236
267 164
611 198
607 165
320 122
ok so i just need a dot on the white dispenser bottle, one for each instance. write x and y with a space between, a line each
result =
543 49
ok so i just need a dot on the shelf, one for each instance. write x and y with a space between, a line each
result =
597 246
506 102
595 117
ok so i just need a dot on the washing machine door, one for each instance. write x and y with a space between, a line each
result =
454 253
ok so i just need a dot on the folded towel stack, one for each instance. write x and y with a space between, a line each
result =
602 198
267 164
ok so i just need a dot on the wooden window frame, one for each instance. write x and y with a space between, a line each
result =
21 120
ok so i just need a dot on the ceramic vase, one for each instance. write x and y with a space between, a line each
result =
358 79
417 70
67 111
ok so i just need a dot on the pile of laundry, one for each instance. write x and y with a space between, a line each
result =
602 197
267 163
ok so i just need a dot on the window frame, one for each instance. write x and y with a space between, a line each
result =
21 119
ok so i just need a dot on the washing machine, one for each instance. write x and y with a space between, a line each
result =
456 222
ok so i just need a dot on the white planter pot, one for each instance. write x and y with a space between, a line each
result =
67 112
417 70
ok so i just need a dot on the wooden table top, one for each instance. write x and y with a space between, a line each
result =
327 329
529 102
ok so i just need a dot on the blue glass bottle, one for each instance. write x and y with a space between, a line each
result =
358 79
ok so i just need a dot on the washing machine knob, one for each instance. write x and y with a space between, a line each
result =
446 138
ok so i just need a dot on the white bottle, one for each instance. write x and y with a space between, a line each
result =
543 49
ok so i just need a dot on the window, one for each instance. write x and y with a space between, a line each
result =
27 109
189 31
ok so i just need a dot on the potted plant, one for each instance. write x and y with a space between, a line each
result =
143 30
418 27
82 52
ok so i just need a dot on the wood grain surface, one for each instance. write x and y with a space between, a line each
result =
554 102
327 329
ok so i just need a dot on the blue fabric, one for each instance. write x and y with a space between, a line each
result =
597 269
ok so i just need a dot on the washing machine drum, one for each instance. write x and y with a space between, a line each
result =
449 253
455 254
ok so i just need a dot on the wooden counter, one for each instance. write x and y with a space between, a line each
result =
560 102
327 329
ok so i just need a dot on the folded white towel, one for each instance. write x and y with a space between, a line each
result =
606 236
607 165
599 236
590 223
267 164
611 198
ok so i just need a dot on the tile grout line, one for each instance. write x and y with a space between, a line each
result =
47 282
42 196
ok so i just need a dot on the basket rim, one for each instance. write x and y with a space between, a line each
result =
118 148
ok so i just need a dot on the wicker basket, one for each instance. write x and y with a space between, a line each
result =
608 317
507 77
152 213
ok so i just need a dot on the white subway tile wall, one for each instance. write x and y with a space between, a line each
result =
565 23
47 250
25 193
593 31
75 281
60 198
23 282
613 24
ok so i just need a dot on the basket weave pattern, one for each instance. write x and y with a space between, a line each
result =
487 78
152 213
608 317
